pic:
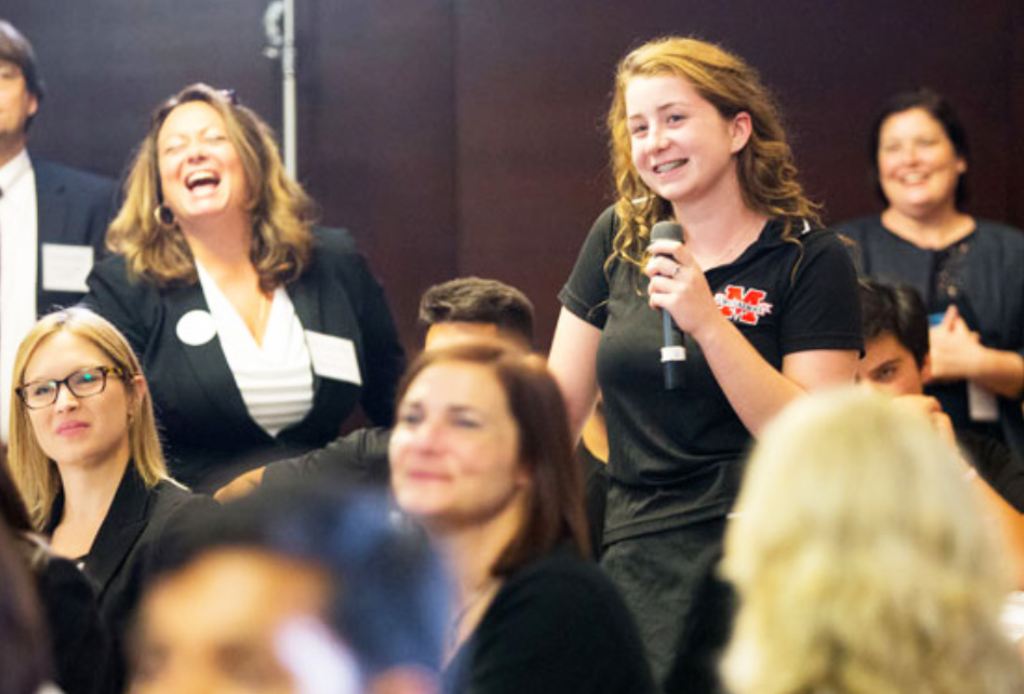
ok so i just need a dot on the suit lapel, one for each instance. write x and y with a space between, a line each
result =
121 529
50 208
305 297
51 221
207 361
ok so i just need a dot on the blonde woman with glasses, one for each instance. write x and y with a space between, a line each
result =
86 458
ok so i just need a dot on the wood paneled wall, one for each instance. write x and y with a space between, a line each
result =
462 137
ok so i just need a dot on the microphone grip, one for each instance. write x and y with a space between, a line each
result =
673 350
673 353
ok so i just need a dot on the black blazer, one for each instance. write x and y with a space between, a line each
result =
74 208
140 525
208 433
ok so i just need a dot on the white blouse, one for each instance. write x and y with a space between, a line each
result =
275 378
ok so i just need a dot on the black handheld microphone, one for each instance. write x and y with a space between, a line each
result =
673 350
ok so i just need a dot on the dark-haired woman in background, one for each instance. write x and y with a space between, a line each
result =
967 270
481 456
258 335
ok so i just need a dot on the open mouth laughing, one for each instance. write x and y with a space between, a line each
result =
202 180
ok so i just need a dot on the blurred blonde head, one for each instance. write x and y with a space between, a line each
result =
282 214
863 560
35 474
765 168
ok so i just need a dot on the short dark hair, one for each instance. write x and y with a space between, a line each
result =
476 300
25 653
389 599
941 110
15 48
554 511
896 310
13 511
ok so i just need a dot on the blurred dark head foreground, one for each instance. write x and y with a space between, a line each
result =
305 555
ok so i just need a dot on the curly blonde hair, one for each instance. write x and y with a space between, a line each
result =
282 213
863 560
767 174
35 475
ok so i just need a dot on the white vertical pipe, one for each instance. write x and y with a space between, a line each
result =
289 123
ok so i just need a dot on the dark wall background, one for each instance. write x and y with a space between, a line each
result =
462 137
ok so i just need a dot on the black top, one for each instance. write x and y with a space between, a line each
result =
557 625
996 465
79 640
675 456
983 275
140 524
208 433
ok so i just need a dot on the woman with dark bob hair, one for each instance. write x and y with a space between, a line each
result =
481 457
259 334
967 270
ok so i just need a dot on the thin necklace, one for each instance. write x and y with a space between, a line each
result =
478 594
262 317
734 246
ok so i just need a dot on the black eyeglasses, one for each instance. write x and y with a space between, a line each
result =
83 383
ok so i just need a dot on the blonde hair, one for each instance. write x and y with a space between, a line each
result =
765 168
36 476
863 560
282 213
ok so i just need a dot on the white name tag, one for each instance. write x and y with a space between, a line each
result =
65 268
982 404
333 357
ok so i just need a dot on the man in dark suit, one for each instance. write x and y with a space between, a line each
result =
53 219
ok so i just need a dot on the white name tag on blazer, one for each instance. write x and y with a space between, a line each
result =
333 357
65 267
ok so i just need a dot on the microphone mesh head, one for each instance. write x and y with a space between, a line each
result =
667 231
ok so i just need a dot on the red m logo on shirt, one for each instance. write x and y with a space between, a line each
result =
743 305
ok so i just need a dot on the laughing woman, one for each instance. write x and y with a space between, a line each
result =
481 456
259 335
86 458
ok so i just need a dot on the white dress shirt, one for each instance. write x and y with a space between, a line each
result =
18 268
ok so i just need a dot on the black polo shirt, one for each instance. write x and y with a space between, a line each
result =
676 456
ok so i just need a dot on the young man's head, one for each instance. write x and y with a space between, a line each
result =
21 89
473 306
294 590
895 327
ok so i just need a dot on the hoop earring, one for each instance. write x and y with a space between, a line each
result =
163 215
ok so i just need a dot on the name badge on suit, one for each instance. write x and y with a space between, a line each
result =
66 267
333 357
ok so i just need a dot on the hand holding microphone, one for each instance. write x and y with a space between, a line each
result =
673 350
